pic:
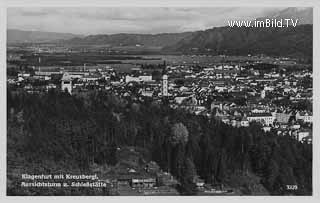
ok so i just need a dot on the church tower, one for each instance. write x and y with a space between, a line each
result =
164 85
66 83
164 88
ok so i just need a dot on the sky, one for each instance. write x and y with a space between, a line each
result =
146 20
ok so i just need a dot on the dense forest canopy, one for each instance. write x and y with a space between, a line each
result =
56 132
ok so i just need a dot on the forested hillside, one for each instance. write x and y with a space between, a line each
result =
288 41
56 132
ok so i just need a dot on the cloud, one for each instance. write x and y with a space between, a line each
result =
107 20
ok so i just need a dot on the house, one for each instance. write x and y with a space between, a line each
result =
233 122
263 118
66 83
304 116
166 179
198 182
283 117
295 126
266 128
244 122
307 139
179 100
302 96
219 105
51 86
145 78
92 77
141 78
221 88
143 182
303 134
256 110
132 79
146 92
269 88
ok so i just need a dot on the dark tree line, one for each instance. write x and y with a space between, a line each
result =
76 131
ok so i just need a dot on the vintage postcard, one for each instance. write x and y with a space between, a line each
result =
159 101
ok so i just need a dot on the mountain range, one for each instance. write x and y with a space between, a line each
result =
289 41
122 39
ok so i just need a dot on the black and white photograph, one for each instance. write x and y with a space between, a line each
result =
159 101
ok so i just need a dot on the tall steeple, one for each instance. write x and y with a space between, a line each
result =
39 61
164 87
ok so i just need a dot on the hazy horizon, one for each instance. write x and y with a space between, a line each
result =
133 20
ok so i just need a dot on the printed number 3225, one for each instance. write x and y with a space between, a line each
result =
292 187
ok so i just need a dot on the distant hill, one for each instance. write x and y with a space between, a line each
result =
290 41
21 36
159 40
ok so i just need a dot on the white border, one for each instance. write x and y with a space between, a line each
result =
163 3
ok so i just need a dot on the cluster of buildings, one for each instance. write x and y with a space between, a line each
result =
285 122
279 101
238 95
132 175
